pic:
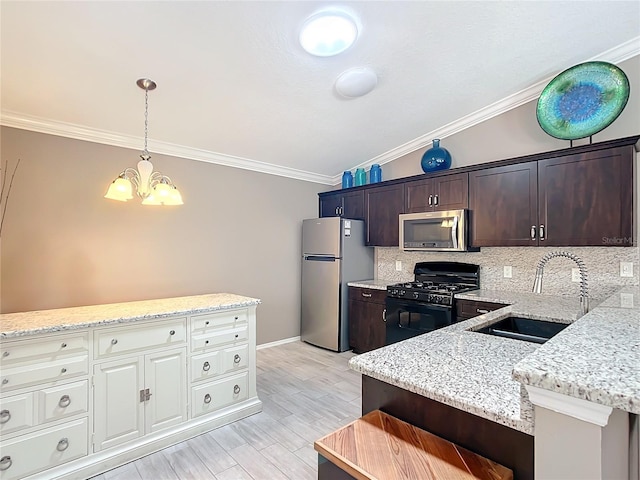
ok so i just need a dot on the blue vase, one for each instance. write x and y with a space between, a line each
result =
375 174
347 179
436 158
361 177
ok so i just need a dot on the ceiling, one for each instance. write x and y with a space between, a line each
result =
235 87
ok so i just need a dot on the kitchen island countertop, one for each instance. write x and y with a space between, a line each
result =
22 324
475 372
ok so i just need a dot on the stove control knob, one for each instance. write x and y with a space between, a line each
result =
402 292
394 291
416 295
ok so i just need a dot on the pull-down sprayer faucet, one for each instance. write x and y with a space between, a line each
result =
584 294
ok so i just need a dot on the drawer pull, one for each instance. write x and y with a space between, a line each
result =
65 401
482 310
5 462
114 341
207 322
63 444
236 389
206 342
235 318
207 398
64 345
236 358
63 370
5 354
5 381
366 295
172 332
236 335
206 366
5 416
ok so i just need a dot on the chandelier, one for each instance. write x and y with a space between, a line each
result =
153 188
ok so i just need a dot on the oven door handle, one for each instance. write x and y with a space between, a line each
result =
411 305
454 232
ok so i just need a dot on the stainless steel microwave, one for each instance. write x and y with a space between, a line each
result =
434 231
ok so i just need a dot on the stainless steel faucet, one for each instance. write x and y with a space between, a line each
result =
584 294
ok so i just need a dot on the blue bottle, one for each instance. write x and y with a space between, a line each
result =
436 158
375 174
361 176
347 179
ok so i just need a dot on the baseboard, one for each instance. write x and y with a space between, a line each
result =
278 342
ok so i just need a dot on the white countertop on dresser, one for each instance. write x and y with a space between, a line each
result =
475 372
47 321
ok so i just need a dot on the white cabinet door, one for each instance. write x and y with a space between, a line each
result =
166 379
118 411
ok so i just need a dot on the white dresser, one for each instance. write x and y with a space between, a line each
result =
83 390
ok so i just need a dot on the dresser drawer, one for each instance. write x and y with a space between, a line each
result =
63 401
31 374
16 413
121 340
51 348
216 320
47 448
219 362
219 337
212 396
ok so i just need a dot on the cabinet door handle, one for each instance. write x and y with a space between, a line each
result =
63 444
384 315
114 341
64 345
533 232
63 370
481 310
541 232
172 332
236 358
5 416
5 354
435 200
236 389
430 200
5 381
206 366
337 211
207 398
64 401
366 295
5 462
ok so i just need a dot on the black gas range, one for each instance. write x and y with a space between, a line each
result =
426 304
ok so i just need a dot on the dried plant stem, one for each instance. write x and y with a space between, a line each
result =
6 197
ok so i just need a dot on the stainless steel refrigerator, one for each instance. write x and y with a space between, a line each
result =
333 254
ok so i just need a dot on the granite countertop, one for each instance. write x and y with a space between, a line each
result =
46 321
475 372
374 284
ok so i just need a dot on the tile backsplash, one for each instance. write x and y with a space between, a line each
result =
602 263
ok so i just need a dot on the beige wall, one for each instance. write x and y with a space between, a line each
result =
516 133
65 245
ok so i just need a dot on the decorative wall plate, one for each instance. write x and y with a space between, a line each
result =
582 100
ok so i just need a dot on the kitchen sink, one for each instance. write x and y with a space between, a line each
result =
527 329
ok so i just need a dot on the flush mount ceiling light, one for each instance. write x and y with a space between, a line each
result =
328 33
153 187
356 82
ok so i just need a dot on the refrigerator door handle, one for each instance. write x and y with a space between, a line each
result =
320 258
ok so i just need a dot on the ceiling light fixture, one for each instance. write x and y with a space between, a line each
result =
356 82
328 33
153 187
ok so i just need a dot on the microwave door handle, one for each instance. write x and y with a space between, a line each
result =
454 232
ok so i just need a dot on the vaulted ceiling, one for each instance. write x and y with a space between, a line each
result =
236 88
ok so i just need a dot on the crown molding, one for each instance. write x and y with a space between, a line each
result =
78 132
41 125
614 55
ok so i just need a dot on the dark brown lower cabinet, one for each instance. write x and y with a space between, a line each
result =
509 447
367 328
466 309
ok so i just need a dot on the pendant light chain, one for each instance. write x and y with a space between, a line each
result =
145 153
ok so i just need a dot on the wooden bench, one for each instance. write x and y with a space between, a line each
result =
379 446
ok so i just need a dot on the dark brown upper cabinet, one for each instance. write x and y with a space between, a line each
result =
383 205
343 204
448 192
581 199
